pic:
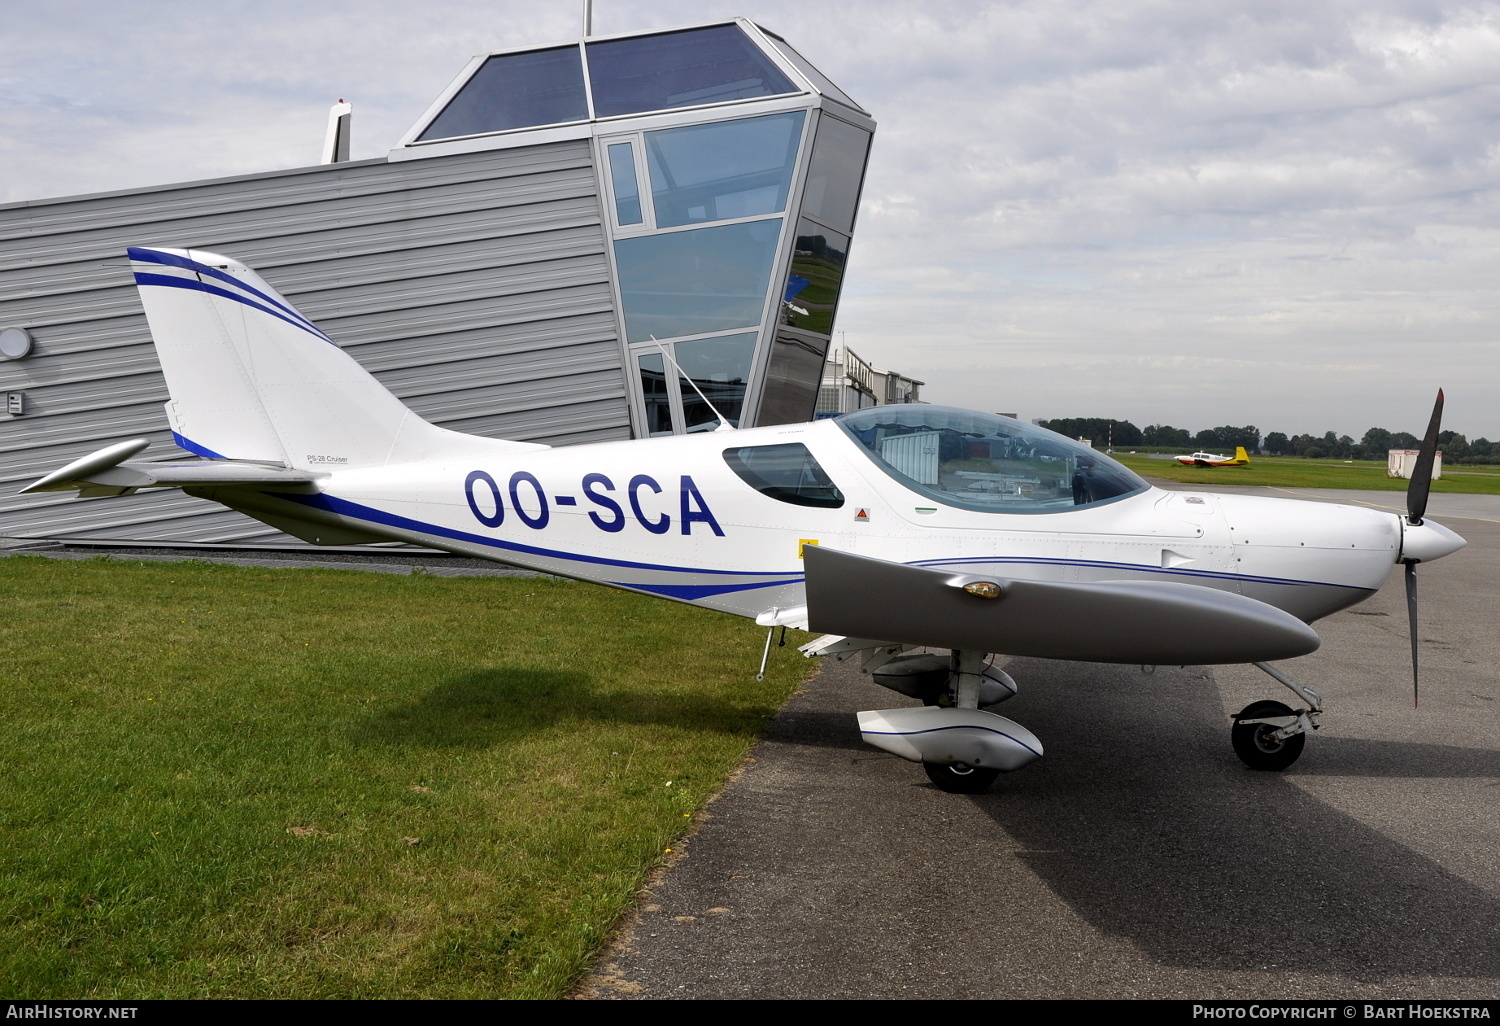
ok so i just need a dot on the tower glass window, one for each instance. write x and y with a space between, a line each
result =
720 370
723 169
653 370
793 376
836 173
697 281
680 69
516 90
812 287
622 177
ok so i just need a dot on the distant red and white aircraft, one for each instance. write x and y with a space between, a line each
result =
1208 459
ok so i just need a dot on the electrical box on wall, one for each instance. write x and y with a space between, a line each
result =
15 403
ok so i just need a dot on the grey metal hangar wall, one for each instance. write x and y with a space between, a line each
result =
514 268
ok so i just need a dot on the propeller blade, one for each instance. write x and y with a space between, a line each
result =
1421 475
1411 615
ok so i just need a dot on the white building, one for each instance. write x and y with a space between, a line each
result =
1403 463
852 383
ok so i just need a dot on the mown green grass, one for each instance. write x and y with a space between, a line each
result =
1290 472
223 781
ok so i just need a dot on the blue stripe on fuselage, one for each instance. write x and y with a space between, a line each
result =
689 592
354 510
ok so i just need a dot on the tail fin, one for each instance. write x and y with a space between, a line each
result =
252 379
1241 454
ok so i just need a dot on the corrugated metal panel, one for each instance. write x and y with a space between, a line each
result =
475 286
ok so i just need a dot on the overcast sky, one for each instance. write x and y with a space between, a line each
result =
1279 213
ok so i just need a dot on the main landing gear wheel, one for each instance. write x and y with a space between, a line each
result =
960 778
1254 744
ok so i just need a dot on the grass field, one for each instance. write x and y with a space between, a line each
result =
224 781
1289 472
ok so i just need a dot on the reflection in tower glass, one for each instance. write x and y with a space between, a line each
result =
793 374
654 388
812 290
720 367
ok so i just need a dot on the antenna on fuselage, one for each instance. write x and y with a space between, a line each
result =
724 424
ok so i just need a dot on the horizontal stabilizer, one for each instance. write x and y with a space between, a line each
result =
77 473
106 472
1145 622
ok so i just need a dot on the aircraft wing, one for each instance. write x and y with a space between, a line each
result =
1145 622
106 472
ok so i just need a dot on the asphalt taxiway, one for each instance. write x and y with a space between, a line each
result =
1138 858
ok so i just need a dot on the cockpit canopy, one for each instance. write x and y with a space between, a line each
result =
985 462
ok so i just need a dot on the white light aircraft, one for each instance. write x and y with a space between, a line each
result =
1208 459
886 530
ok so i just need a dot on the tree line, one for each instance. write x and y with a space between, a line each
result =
1122 434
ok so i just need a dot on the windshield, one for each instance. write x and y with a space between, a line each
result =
985 462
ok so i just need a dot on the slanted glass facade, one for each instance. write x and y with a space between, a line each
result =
723 169
680 69
698 281
812 288
729 171
627 190
518 90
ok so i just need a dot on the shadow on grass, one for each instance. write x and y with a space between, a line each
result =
488 707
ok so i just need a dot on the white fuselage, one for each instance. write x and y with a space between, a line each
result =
669 517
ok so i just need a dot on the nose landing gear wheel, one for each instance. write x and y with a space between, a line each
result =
960 778
1254 744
